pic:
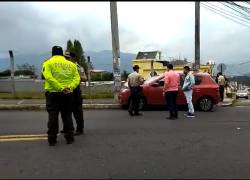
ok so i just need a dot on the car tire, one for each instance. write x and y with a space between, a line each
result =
205 104
246 97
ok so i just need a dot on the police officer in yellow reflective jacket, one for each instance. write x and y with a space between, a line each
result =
61 78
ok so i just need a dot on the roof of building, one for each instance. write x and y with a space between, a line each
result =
147 55
179 62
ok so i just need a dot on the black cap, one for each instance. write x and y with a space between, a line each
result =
170 66
136 67
57 50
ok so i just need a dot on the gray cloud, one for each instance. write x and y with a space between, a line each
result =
25 29
22 29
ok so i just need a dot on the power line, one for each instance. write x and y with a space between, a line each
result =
244 8
229 11
225 4
229 14
224 16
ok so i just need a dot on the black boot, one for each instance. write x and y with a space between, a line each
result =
52 140
79 132
69 138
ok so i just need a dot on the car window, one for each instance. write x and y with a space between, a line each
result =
151 80
198 79
161 82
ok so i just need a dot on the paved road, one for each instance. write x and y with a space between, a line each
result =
242 102
213 145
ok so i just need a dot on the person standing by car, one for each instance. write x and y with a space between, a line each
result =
134 82
61 78
221 83
187 88
170 90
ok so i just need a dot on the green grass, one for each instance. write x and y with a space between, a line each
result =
23 95
37 95
98 95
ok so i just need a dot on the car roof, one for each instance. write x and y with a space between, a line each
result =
195 73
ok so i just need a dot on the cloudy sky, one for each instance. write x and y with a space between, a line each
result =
34 27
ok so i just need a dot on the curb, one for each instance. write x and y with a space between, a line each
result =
225 105
43 106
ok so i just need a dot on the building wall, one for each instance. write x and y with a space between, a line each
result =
145 67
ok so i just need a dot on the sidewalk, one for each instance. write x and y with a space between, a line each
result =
39 104
226 102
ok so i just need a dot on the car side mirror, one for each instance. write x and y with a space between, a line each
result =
155 85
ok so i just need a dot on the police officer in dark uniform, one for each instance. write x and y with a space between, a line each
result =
61 78
77 108
77 98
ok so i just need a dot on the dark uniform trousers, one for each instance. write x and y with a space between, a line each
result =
221 89
57 102
171 97
77 108
135 99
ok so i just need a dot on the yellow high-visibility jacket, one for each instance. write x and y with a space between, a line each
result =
59 74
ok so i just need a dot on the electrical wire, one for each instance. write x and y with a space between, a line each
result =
240 18
216 12
226 4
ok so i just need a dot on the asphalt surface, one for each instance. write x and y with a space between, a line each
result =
242 102
212 145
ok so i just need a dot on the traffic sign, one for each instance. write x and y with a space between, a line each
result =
221 67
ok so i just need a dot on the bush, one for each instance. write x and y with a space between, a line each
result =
107 76
5 73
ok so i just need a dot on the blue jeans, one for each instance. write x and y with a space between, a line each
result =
188 95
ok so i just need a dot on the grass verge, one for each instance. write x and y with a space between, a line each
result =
38 95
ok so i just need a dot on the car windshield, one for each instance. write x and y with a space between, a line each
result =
152 79
242 91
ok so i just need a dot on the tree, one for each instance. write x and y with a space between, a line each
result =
25 69
124 75
70 46
106 76
80 54
5 73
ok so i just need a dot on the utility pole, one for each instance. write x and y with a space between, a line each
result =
197 35
116 48
13 89
89 75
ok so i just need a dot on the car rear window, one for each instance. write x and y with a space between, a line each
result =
197 78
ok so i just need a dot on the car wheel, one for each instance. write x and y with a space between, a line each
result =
205 104
246 97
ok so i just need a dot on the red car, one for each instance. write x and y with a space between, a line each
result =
205 92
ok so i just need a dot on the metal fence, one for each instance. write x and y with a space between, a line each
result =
33 85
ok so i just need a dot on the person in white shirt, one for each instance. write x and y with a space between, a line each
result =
134 82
